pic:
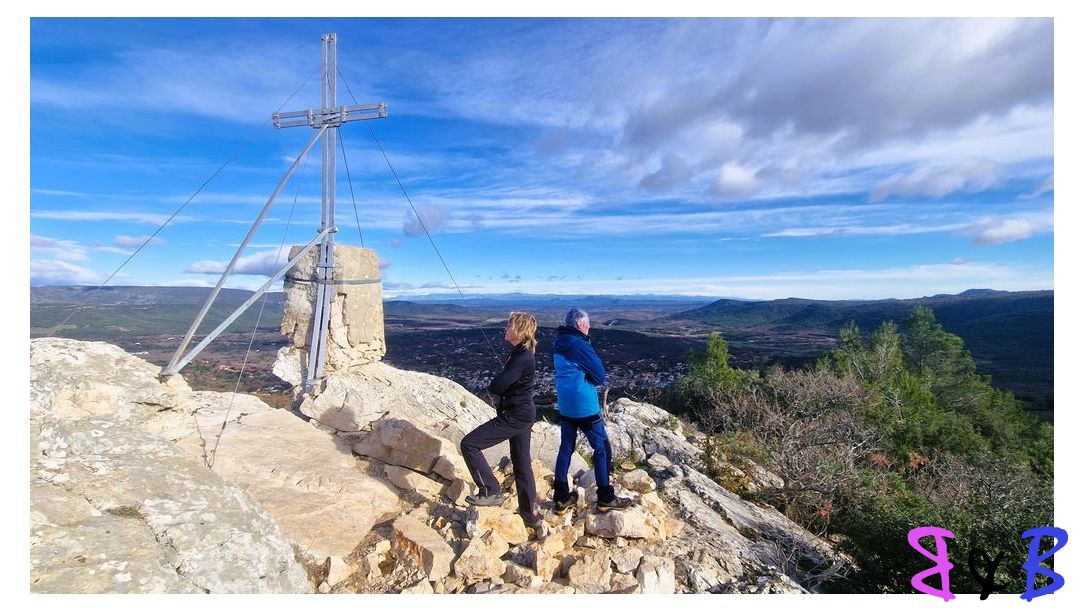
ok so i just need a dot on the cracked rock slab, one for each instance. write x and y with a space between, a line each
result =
116 510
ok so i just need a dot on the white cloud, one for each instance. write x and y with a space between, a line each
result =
59 192
735 181
673 169
971 177
64 250
264 263
430 217
1047 186
864 230
997 230
83 215
222 80
824 96
122 240
55 272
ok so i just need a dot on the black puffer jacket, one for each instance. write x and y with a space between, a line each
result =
515 383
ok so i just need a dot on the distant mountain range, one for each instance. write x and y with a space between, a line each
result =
973 308
140 296
549 303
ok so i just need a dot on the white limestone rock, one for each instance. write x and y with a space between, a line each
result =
117 510
356 317
481 559
421 546
656 575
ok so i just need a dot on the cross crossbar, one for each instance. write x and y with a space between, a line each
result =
330 117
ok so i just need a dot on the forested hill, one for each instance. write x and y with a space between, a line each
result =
975 308
1011 334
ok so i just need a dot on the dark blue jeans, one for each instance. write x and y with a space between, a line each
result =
596 434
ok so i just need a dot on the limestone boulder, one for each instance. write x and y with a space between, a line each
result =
73 379
661 467
730 545
338 570
114 509
505 525
456 492
422 547
639 481
639 429
451 466
626 560
635 522
521 576
401 442
591 573
352 399
656 575
624 583
307 479
410 480
481 559
423 587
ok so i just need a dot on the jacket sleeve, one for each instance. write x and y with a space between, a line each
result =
585 356
509 375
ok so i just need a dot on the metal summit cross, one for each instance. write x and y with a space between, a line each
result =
326 120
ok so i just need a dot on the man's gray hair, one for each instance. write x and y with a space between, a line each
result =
575 316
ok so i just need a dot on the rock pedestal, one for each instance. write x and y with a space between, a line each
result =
356 318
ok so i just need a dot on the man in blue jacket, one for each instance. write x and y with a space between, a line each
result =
577 370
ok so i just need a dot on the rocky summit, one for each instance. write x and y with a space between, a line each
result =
143 486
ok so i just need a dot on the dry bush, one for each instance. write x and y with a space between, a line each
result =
811 425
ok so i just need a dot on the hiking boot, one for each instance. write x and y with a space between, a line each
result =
485 500
618 503
561 507
536 526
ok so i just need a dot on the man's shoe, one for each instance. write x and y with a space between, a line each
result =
561 507
618 503
485 500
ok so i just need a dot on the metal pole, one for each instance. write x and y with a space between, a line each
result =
249 302
170 368
333 70
318 339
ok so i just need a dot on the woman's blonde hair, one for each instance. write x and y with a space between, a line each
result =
523 327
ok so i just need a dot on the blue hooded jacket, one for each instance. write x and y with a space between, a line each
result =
577 369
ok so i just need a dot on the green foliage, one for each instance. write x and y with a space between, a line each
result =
711 380
712 368
933 398
888 432
986 505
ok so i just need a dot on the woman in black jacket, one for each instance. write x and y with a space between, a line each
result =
515 416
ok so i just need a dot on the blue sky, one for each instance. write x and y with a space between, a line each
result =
727 157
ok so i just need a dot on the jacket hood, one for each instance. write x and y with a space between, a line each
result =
567 337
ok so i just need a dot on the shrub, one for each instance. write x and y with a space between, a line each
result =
886 433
